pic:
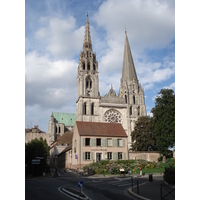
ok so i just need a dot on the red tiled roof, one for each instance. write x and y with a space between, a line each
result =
100 129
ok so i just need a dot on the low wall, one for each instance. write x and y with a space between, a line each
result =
144 155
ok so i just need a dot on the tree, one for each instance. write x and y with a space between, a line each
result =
33 149
143 135
164 120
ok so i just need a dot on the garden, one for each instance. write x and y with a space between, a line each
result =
129 166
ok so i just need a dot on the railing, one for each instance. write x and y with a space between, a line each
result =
168 189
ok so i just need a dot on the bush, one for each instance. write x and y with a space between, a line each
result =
169 175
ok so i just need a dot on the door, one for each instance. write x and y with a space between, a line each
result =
98 157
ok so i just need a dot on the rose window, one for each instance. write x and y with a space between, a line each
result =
112 116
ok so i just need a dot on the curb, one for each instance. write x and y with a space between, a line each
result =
61 189
136 195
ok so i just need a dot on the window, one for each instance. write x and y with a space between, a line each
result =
119 143
138 110
98 142
88 66
94 68
84 108
130 110
134 99
88 83
119 155
92 109
83 65
109 155
75 143
109 141
87 141
87 155
125 99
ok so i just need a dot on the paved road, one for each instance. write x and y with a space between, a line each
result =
94 188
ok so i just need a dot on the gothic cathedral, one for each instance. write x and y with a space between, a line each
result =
124 108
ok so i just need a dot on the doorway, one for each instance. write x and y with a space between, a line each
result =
98 157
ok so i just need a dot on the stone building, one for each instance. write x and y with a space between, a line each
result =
60 123
35 132
95 141
124 108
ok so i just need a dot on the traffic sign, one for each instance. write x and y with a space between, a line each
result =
80 184
35 162
76 156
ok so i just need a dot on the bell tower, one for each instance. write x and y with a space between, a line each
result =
87 81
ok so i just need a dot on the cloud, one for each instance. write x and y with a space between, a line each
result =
151 23
49 83
61 38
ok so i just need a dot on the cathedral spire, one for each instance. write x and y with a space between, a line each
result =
128 70
87 39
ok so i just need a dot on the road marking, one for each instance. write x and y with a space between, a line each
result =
124 184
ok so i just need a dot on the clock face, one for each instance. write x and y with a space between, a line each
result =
112 116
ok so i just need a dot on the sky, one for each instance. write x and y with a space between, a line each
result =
54 34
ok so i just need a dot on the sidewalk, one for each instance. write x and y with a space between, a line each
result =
152 191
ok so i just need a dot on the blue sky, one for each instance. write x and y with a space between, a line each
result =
54 33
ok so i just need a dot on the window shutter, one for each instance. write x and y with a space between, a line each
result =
92 155
105 142
83 141
114 142
106 156
123 142
124 156
93 142
83 155
115 156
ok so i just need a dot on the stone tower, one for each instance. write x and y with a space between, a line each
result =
87 81
131 90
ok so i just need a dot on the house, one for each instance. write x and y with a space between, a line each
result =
60 146
95 141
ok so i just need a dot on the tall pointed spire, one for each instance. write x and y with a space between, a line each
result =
87 39
128 70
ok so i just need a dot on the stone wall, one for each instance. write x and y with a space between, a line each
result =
145 155
31 136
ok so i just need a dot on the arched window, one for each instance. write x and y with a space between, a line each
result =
59 129
125 99
130 110
84 108
138 110
88 83
134 99
83 65
92 109
88 66
94 67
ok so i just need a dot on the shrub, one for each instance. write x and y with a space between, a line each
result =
169 175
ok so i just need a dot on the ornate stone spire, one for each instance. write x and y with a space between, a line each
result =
128 70
87 44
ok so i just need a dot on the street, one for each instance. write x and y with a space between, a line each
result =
94 188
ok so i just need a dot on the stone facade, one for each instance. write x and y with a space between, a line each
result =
33 133
124 108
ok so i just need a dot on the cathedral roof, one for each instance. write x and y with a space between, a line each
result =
101 129
68 119
128 70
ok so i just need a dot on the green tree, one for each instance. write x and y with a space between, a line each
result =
143 135
164 120
33 149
